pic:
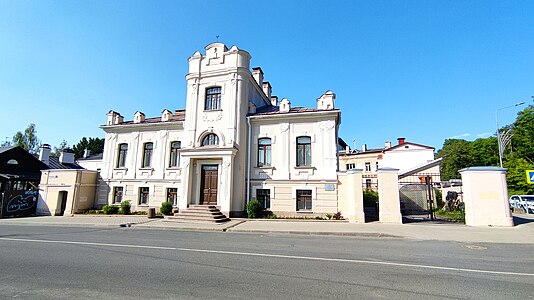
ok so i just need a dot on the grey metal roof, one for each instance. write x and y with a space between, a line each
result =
53 163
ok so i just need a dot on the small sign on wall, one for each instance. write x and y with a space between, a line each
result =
329 187
530 176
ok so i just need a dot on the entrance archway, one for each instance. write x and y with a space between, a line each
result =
62 202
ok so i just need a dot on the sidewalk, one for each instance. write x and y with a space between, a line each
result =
522 233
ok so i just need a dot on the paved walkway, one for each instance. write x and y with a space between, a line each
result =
522 233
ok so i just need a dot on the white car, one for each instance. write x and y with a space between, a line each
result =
525 202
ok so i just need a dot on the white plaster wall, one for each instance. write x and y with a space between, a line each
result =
406 158
283 134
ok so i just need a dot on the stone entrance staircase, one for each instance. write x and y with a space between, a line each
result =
200 213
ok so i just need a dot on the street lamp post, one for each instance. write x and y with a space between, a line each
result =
499 139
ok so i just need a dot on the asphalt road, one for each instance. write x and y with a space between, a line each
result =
128 263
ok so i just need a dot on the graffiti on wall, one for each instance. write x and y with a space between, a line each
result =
19 203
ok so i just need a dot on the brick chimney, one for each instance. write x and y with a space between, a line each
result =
400 140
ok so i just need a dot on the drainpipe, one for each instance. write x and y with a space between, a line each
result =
76 191
248 160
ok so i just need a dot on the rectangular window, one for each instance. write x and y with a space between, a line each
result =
121 155
264 196
304 151
351 166
148 148
368 184
172 196
117 194
143 196
264 152
304 200
213 99
367 167
174 159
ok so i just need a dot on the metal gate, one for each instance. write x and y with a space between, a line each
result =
418 195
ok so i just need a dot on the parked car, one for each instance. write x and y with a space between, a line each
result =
525 202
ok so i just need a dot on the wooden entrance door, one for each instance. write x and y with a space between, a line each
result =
208 185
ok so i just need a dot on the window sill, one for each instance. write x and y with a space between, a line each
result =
305 168
146 169
208 110
265 168
174 168
120 169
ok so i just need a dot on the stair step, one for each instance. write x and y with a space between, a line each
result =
199 213
196 219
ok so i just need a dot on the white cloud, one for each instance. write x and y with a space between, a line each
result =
461 136
484 135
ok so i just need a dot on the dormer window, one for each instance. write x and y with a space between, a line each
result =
213 99
210 140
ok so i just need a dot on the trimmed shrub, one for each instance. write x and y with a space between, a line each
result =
125 208
166 208
110 209
254 209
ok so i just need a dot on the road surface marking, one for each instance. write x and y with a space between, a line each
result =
357 261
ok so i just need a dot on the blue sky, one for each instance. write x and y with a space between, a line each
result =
423 70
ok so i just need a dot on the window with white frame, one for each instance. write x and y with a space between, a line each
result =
143 195
117 194
304 200
264 152
148 149
213 99
121 155
367 167
351 166
264 196
304 151
210 140
174 159
172 196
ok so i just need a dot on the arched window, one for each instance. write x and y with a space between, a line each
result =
210 139
148 148
174 159
121 155
213 99
304 151
264 152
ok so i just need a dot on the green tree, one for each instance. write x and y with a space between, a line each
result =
58 150
485 152
523 134
456 155
27 140
95 145
517 177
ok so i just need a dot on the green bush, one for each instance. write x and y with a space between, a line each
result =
166 208
254 209
110 209
439 198
369 198
125 208
329 216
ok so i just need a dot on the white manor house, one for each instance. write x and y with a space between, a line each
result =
234 141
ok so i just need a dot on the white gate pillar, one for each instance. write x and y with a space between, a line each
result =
485 195
388 196
355 196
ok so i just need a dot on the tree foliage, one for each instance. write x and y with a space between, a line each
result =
517 158
58 150
27 140
95 145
